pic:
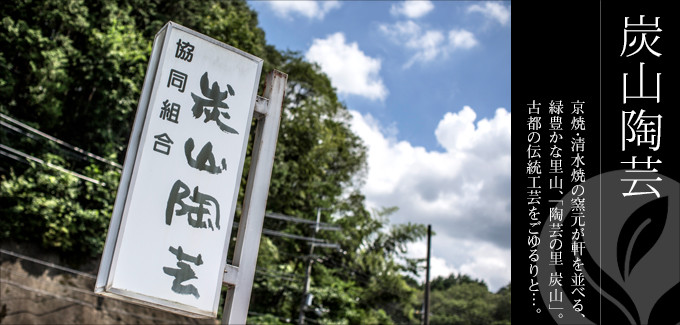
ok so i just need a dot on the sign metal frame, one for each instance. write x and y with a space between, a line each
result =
116 227
240 274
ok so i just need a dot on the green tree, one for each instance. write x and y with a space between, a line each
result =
461 300
503 312
75 73
58 210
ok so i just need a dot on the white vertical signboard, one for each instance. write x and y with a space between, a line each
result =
168 238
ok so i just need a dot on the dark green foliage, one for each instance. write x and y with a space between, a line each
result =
73 72
58 210
441 283
461 300
503 306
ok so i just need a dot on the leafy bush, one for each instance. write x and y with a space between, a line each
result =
58 210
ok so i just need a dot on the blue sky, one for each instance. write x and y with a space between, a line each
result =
428 85
420 95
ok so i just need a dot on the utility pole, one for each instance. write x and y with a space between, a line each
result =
305 291
426 319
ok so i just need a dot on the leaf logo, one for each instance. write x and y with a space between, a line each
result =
630 256
640 233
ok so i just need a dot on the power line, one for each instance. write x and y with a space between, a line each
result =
80 302
317 225
17 130
47 264
283 234
327 245
76 289
260 270
286 276
48 164
364 279
87 292
51 138
299 220
320 227
7 154
71 153
306 296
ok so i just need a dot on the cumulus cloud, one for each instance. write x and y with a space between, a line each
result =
351 71
457 132
427 44
490 264
309 9
438 265
412 8
462 39
464 191
492 10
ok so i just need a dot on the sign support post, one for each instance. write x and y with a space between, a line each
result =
240 274
166 247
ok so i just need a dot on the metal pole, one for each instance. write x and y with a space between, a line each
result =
303 304
241 273
427 279
301 319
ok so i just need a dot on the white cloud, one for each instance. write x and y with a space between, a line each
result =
489 263
428 44
412 8
464 192
462 39
350 70
456 132
309 9
438 265
493 10
479 260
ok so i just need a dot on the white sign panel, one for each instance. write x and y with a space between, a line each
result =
168 238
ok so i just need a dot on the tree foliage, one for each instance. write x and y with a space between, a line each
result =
57 210
461 300
74 71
